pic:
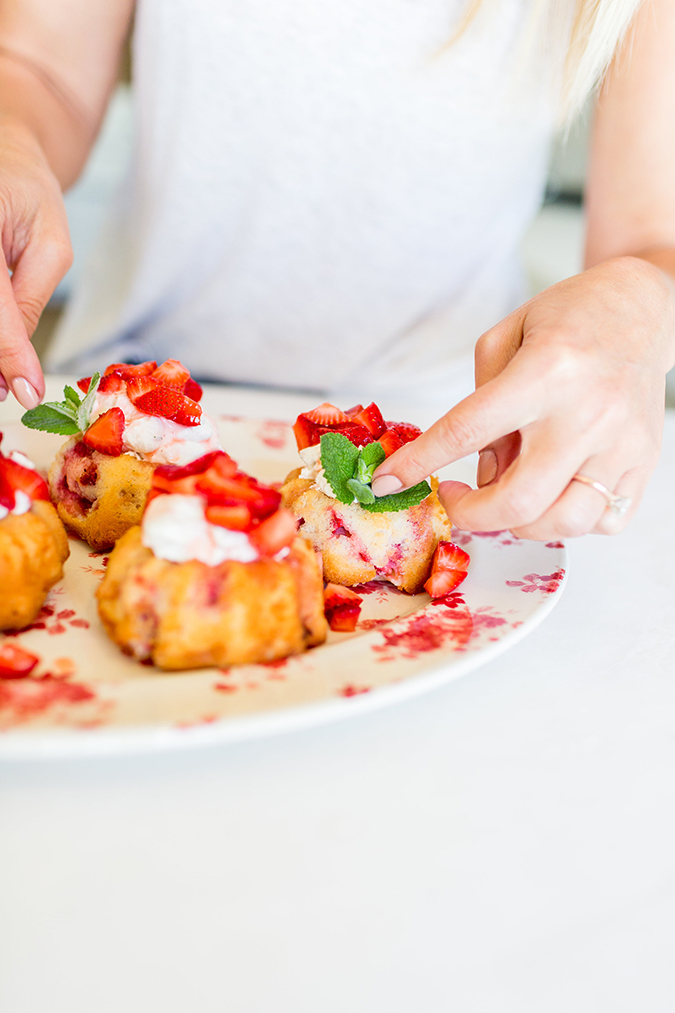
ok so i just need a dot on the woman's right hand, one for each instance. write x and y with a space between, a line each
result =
35 247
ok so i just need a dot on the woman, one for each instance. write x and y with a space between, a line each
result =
328 194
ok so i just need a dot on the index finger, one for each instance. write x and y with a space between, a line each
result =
509 402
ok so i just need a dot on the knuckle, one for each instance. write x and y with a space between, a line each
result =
519 506
459 431
573 524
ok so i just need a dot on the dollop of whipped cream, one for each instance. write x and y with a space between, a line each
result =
311 458
175 528
22 502
156 439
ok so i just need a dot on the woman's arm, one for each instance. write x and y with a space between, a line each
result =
573 381
58 65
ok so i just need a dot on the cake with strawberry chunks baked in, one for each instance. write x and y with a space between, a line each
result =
362 537
33 543
215 574
130 420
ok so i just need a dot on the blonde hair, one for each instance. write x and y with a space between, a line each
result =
593 31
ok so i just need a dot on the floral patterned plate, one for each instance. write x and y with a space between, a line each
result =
86 697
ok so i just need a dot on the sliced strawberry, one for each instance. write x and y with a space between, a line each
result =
15 662
217 458
128 370
111 383
236 517
405 430
308 433
192 389
239 488
390 441
138 386
106 433
173 373
351 412
15 478
169 404
371 418
448 569
326 415
186 486
84 384
275 533
342 606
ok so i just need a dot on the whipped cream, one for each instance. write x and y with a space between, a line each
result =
156 439
175 528
311 458
22 502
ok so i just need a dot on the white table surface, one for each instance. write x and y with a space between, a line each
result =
505 843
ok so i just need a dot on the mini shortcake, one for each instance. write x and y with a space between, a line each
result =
215 574
131 419
362 537
33 543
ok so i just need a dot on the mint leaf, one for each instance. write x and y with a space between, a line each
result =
72 397
338 460
399 500
85 409
51 418
363 493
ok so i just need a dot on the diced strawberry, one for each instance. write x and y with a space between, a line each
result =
173 373
371 418
326 415
169 403
84 384
128 370
390 441
192 389
311 426
138 386
111 383
217 458
448 569
106 433
342 606
15 478
236 517
275 533
153 494
449 556
15 662
351 412
186 486
239 488
405 430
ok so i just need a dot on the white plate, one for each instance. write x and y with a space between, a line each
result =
86 697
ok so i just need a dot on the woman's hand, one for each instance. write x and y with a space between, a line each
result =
572 382
35 248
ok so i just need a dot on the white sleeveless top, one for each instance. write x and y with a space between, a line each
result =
323 194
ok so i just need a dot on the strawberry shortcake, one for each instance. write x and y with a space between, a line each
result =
131 419
362 537
215 573
33 543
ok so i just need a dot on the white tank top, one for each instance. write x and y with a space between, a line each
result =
319 198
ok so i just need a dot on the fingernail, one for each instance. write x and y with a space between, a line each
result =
385 485
487 468
3 392
24 392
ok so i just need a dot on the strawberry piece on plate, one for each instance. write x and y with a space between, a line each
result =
342 606
275 533
192 389
236 517
390 441
173 373
128 370
106 433
168 403
15 662
83 384
111 383
448 569
371 418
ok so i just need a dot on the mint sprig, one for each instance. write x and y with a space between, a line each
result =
349 472
67 417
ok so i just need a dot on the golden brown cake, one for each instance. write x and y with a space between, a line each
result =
33 543
97 496
187 612
358 546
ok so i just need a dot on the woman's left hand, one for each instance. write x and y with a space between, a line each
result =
572 382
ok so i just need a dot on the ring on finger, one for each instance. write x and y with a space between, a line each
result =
619 505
